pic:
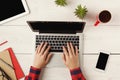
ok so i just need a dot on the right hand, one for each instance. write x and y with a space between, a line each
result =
70 56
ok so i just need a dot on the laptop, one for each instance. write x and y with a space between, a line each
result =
57 34
12 9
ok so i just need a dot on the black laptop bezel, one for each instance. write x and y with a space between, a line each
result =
37 29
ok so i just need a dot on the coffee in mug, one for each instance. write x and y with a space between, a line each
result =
104 17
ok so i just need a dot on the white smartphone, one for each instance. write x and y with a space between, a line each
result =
102 60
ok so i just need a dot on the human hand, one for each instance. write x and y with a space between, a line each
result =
70 56
42 55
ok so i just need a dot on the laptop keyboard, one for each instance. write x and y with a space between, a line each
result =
56 42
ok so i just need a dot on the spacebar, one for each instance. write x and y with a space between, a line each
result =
56 50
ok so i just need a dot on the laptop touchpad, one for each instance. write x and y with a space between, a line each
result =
56 61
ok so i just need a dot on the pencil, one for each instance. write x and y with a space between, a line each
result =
3 43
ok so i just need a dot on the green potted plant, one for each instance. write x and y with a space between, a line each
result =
61 2
80 11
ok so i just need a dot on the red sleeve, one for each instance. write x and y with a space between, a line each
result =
33 74
76 74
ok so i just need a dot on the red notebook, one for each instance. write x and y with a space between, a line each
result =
18 70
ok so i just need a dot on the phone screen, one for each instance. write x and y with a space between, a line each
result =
102 61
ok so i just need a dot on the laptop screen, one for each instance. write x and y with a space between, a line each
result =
56 27
11 8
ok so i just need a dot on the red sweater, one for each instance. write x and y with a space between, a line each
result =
76 74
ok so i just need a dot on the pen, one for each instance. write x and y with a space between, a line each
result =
3 43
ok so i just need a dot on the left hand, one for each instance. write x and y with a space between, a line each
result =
42 55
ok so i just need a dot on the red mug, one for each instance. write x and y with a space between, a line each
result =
104 17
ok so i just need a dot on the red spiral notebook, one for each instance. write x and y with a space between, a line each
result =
18 70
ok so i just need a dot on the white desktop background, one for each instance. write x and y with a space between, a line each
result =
104 37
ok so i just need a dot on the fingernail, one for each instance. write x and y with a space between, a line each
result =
76 46
46 43
67 43
42 43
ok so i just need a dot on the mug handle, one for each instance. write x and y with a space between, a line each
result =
96 23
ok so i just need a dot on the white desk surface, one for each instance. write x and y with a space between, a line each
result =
104 37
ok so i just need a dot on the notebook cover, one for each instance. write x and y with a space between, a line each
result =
4 55
18 70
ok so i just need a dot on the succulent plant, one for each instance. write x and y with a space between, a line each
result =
61 2
80 11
